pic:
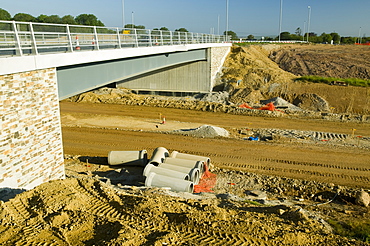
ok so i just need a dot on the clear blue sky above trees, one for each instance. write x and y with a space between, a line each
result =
260 18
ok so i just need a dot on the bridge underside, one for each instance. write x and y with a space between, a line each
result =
189 77
179 71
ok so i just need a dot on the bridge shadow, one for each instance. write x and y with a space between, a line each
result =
9 193
121 175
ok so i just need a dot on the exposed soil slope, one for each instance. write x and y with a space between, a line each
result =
347 61
85 211
250 76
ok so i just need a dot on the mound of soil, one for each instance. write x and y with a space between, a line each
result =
205 131
85 209
249 76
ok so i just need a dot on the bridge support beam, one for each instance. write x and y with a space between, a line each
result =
195 77
31 150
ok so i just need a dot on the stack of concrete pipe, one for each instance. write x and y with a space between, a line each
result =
180 172
132 158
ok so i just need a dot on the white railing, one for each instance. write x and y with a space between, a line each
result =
27 38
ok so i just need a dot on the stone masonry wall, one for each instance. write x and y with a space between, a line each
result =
31 150
218 56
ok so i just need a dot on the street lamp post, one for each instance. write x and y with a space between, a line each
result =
281 18
309 20
359 36
132 19
218 25
227 18
123 13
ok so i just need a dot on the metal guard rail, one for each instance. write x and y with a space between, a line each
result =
28 38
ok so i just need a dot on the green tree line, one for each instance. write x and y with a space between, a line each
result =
314 38
323 38
82 19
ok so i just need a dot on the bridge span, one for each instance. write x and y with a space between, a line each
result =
41 64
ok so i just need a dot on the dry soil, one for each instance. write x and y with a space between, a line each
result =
280 190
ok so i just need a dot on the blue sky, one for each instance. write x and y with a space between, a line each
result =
259 18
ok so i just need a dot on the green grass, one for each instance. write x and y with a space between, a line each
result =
253 203
328 80
359 229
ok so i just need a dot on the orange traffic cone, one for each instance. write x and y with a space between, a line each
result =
163 119
77 44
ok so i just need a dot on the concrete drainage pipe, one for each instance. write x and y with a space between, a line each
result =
159 154
178 155
158 180
150 168
186 163
194 173
135 158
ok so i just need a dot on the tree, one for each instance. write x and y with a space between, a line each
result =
250 37
182 29
298 31
312 37
24 17
232 34
326 38
164 28
68 19
42 18
49 19
295 37
335 36
88 19
4 15
347 40
285 36
132 26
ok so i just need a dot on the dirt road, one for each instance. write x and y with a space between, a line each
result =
84 134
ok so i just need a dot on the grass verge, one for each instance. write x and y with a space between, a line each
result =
328 80
359 229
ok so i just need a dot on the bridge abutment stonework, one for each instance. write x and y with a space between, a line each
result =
218 57
31 150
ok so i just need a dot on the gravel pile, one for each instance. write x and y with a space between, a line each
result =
216 97
205 131
281 103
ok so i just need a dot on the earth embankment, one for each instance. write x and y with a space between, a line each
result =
257 73
338 61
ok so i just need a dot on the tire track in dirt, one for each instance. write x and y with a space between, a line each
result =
217 237
100 205
251 167
289 162
187 234
308 155
31 225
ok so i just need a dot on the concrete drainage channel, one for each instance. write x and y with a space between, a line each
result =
180 172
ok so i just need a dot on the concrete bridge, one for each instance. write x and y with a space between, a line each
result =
41 64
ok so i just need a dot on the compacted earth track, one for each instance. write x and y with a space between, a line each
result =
345 164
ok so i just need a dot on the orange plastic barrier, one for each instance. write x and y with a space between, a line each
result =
206 183
270 106
245 105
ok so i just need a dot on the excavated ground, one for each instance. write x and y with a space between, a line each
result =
338 61
282 190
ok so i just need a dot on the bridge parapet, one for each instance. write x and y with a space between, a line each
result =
28 38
